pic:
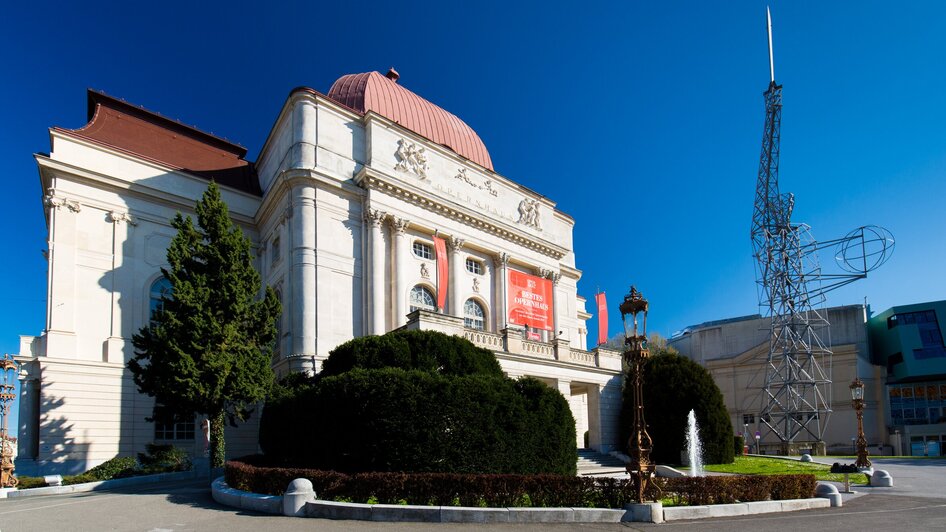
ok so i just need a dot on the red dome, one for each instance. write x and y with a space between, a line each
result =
372 91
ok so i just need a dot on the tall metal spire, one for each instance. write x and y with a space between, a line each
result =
796 392
768 16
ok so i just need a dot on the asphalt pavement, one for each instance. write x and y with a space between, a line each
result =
916 502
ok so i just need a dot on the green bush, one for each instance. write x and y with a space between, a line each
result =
118 467
25 483
396 420
418 401
738 445
421 350
673 385
164 458
462 489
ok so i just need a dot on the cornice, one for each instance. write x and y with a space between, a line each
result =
373 180
119 186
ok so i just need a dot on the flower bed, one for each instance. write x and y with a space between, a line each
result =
491 490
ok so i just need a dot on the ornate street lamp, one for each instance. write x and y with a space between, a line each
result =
8 375
636 353
857 397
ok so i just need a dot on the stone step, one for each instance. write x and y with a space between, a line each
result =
590 460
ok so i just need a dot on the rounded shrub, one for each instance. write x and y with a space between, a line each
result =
422 350
439 406
673 385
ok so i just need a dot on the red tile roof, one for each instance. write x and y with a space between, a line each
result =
372 91
132 129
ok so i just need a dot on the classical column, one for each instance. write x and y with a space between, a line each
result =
114 345
500 281
455 244
595 439
61 300
302 276
401 256
374 218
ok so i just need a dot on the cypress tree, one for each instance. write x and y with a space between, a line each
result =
208 347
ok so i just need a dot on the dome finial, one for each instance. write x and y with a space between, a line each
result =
392 75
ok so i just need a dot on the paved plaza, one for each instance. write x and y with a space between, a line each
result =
916 502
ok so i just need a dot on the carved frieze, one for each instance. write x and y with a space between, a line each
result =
411 158
487 184
529 213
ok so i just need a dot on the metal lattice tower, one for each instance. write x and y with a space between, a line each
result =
796 391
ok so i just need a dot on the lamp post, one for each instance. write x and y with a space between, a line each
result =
857 398
8 375
636 353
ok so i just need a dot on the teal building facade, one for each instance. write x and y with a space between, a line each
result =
908 341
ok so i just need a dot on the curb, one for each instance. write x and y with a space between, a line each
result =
273 504
245 500
100 485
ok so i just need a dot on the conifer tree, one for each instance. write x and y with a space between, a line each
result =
208 347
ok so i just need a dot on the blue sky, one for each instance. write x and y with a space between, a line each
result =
642 120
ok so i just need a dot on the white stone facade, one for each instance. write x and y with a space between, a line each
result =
343 201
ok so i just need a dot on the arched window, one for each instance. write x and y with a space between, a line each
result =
160 287
422 298
474 317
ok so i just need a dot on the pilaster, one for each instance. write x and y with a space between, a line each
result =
401 255
455 245
302 273
374 218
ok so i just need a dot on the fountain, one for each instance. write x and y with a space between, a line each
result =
694 447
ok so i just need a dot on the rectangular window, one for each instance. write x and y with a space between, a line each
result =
748 419
275 252
474 266
169 430
423 250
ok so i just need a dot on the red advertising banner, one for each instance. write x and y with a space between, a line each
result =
443 272
530 301
602 318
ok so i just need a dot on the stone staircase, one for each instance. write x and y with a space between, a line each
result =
591 462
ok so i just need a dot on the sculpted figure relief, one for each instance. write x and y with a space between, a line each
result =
529 213
411 158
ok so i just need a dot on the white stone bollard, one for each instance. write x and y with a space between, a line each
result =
881 479
830 492
806 458
297 495
647 512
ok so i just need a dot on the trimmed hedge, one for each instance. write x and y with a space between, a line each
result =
392 419
455 489
421 350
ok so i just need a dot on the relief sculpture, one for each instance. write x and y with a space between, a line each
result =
411 158
529 213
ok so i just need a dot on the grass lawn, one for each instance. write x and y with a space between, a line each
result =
752 465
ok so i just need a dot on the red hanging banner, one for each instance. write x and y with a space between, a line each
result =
602 318
443 272
530 301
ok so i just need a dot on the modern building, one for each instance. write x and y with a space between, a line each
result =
735 351
907 342
369 208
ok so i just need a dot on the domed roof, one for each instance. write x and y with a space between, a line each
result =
372 91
